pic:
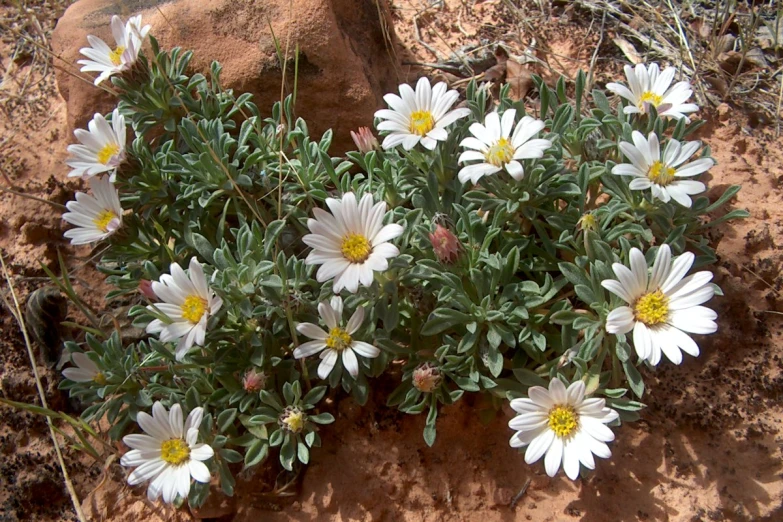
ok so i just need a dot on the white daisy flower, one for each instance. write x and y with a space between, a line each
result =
650 87
188 302
168 455
351 243
336 341
96 217
661 307
86 370
101 148
107 61
497 149
563 425
663 177
420 116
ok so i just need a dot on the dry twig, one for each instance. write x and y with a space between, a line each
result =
19 316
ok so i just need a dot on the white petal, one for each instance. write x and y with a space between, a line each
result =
539 446
350 362
146 471
327 363
619 290
557 391
355 321
571 459
596 429
365 349
326 312
540 396
661 267
309 348
312 331
620 320
554 456
201 452
639 268
642 340
678 270
199 471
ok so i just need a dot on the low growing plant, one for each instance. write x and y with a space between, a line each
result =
537 257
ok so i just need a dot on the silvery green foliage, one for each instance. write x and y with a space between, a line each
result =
213 176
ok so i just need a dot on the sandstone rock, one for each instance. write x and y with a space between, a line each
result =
346 62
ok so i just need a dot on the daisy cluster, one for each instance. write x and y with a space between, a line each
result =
469 245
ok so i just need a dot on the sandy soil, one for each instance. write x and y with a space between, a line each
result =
707 448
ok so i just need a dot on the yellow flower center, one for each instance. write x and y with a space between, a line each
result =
100 379
652 308
563 420
103 219
107 153
338 339
116 55
650 97
356 248
175 451
421 122
193 308
500 153
660 173
295 421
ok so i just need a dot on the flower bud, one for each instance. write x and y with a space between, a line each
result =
445 244
253 381
365 140
292 419
426 378
145 287
588 222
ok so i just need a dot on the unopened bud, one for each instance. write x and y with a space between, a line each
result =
365 140
145 287
426 378
253 381
588 222
445 244
292 419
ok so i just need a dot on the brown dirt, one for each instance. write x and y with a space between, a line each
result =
708 447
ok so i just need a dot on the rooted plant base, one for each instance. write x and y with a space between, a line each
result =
707 448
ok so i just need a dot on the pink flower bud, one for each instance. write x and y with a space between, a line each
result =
253 381
364 140
145 287
445 244
426 378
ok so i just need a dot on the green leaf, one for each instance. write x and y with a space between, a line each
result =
202 246
287 452
529 377
273 231
442 319
321 418
225 419
429 427
494 361
315 395
466 384
634 378
256 453
276 438
302 453
230 455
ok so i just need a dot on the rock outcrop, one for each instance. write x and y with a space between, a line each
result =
347 58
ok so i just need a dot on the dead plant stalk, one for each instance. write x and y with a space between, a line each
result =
19 316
